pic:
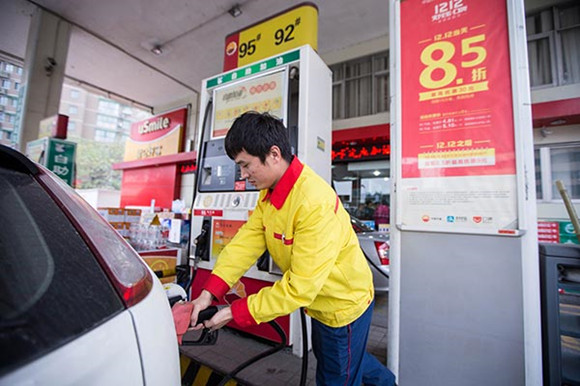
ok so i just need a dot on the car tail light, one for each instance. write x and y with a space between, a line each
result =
125 269
383 252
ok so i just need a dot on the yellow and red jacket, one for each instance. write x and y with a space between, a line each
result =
308 233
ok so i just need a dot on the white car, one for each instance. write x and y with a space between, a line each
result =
78 306
376 247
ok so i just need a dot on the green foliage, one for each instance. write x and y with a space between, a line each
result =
94 163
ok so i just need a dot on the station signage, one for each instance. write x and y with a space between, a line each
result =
157 136
253 69
188 167
290 29
57 155
458 166
358 152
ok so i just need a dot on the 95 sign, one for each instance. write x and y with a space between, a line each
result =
291 29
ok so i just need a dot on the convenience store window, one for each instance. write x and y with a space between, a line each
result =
362 186
557 162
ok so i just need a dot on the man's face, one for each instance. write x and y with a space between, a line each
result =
261 175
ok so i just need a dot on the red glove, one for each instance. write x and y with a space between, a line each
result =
182 318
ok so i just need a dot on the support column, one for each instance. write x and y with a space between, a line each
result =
44 65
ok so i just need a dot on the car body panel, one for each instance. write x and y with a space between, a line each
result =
104 356
157 339
133 341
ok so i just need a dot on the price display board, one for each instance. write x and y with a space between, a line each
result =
293 28
458 167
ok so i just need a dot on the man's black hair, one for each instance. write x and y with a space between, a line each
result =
256 133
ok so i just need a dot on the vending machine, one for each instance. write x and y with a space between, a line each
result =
295 86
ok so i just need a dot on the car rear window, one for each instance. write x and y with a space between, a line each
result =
51 287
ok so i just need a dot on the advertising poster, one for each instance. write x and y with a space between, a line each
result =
157 136
223 231
458 168
262 94
162 260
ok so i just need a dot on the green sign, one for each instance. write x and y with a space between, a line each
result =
567 233
56 155
254 69
60 159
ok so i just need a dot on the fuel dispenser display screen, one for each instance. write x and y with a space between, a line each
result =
218 172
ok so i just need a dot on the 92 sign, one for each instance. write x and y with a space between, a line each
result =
292 29
285 35
282 35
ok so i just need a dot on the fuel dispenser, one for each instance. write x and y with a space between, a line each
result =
295 86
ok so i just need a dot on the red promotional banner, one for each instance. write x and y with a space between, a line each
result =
456 89
457 135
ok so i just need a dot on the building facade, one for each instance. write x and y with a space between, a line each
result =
10 101
95 117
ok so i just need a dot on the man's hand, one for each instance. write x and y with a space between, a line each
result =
220 319
202 302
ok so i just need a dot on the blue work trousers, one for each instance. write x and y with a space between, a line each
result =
341 356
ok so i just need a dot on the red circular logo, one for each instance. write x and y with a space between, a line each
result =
231 48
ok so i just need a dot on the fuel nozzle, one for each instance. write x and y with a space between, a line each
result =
202 242
207 314
207 336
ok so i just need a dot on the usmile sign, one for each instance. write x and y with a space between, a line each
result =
157 136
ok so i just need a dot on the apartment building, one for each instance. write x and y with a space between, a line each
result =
10 101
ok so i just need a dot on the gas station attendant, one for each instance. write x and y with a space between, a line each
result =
300 220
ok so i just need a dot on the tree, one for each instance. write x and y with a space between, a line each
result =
94 164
